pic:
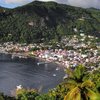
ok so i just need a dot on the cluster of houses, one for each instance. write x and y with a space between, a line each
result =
85 51
69 58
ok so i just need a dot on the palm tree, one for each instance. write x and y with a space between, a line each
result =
80 86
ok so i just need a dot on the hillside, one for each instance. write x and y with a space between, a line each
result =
45 21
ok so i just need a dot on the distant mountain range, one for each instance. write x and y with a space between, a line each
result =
46 21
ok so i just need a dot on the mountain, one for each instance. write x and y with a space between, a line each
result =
45 21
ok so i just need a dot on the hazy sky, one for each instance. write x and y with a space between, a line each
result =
78 3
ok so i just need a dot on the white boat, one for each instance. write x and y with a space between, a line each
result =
42 63
54 75
19 87
57 68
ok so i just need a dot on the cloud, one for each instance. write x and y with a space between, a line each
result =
46 0
19 2
82 3
77 3
22 1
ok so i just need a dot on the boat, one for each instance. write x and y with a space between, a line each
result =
57 68
39 63
54 75
19 87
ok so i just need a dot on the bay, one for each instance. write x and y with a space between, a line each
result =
28 73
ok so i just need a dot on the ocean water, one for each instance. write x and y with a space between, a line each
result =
28 73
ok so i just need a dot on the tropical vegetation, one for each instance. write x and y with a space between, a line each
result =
46 21
80 84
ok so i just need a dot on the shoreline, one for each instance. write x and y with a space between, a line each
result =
37 60
47 61
63 58
24 56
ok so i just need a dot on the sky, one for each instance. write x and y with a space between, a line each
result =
77 3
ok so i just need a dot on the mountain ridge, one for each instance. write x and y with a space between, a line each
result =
45 21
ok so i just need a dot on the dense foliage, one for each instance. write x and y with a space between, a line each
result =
80 84
42 22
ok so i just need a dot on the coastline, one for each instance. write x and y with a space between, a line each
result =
26 56
47 61
50 72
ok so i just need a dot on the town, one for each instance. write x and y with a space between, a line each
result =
69 52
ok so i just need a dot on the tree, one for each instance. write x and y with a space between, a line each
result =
24 94
80 87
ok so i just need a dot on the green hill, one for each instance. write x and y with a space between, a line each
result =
44 21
